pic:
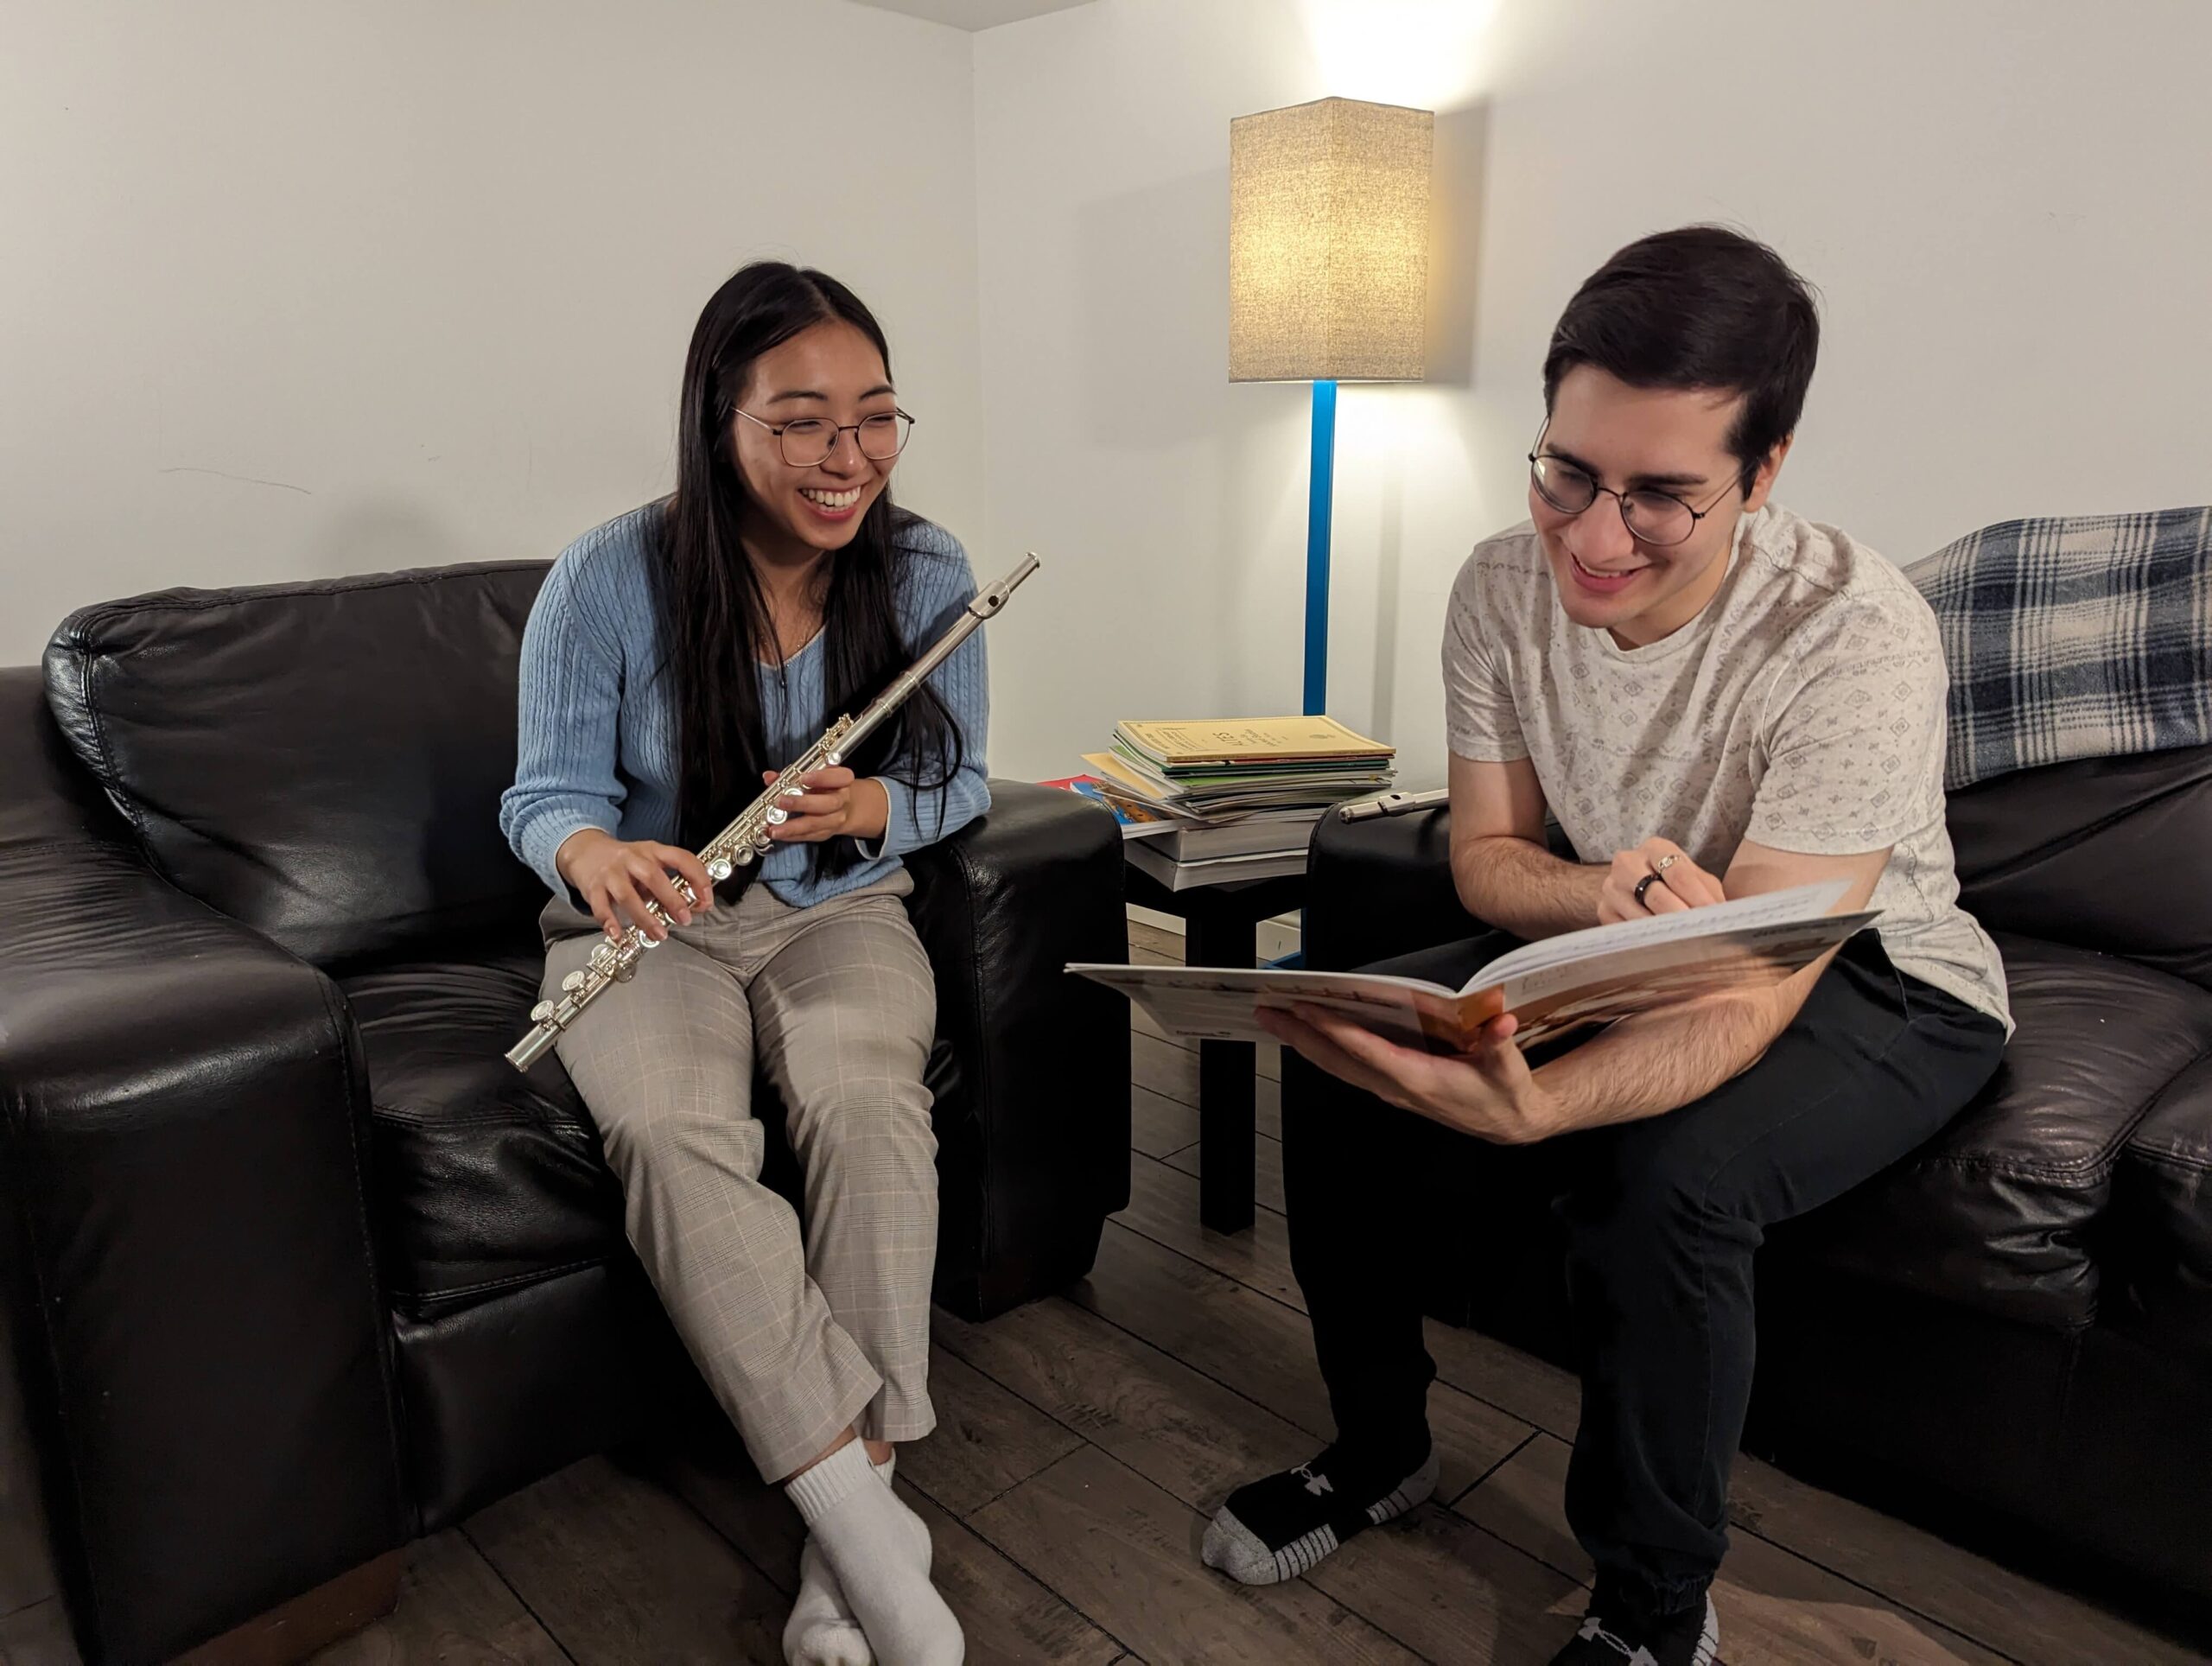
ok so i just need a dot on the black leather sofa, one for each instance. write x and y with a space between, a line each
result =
298 1267
2007 1335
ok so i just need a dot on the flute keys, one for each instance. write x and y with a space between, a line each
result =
541 1012
719 869
573 982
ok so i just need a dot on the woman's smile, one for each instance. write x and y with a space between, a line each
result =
830 505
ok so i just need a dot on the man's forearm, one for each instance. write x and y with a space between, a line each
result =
1658 1062
1519 886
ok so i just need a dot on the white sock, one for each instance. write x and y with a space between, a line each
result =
876 1553
822 1631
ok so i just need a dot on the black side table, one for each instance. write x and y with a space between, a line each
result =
1220 928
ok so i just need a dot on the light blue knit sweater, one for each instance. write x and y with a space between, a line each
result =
597 740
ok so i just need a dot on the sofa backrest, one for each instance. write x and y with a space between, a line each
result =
2079 762
2109 854
322 760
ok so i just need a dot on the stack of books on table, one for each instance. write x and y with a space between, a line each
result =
1206 801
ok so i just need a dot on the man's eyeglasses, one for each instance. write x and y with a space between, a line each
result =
1652 517
808 441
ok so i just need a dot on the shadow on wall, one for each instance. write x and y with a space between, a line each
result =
380 534
214 549
1456 180
1390 560
1152 387
1153 268
1455 239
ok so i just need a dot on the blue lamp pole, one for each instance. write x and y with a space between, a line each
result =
1318 505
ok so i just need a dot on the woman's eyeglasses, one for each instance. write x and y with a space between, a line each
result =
808 441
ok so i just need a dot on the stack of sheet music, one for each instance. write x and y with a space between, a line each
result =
1217 800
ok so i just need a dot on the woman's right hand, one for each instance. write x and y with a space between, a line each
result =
616 877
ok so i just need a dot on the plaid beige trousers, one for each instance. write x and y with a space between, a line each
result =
800 1333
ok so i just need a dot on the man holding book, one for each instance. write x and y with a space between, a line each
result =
1715 699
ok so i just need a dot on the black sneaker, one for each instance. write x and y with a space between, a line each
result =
1277 1529
1689 1639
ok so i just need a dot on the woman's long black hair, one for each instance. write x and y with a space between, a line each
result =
713 615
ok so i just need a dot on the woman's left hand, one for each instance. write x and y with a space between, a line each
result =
1488 1091
832 802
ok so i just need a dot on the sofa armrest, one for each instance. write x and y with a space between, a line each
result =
1379 889
1383 888
1031 1066
27 1574
199 1340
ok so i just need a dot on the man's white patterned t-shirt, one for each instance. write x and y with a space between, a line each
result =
1803 709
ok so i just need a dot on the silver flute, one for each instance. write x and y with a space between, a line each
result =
615 960
1392 804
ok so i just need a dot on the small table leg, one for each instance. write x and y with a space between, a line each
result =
1228 1129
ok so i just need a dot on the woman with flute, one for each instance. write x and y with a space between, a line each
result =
673 657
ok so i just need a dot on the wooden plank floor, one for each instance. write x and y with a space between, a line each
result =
1085 1440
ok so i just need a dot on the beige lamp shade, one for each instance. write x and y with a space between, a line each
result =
1328 243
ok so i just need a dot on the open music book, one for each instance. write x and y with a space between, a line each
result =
1558 984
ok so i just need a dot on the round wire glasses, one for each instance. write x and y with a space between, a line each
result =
1653 517
807 442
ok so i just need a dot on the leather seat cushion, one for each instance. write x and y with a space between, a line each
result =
2002 1212
484 1178
2163 1206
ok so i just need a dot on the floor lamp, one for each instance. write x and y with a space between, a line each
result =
1328 280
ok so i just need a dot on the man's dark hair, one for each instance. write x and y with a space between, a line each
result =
1702 306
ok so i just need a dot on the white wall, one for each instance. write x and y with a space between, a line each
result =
309 287
2003 205
429 267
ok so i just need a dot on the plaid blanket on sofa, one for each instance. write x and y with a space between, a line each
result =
2085 637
